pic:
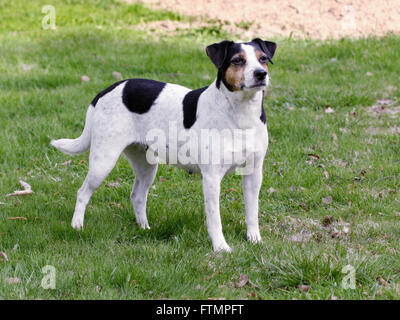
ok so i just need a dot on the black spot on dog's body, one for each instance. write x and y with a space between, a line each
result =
104 92
139 95
190 106
263 116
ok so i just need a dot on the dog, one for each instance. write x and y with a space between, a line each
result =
121 118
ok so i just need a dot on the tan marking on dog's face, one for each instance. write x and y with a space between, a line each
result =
234 75
260 54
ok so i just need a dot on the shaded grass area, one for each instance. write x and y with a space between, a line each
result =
42 97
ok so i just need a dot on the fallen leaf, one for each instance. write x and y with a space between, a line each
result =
27 190
242 281
17 218
382 281
346 229
12 280
385 102
271 190
66 163
26 67
115 204
4 256
336 233
327 221
161 179
313 156
304 288
303 205
232 190
114 184
117 75
328 109
327 200
85 79
326 174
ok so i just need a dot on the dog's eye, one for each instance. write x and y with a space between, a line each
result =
238 61
263 59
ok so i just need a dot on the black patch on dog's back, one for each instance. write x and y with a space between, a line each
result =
263 116
190 106
139 95
104 92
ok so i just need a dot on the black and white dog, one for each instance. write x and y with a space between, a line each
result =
151 121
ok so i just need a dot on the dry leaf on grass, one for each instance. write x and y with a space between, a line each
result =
85 79
271 190
382 281
17 218
242 281
115 204
27 190
327 200
117 75
114 184
328 109
13 280
66 163
327 221
304 288
26 67
313 156
3 256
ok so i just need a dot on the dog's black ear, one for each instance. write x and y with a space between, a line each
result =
218 52
267 46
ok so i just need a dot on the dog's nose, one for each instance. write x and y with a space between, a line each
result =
260 74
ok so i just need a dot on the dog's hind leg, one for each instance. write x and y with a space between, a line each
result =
101 161
144 177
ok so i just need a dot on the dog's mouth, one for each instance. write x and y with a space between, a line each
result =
258 85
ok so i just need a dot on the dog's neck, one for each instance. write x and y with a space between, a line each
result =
244 106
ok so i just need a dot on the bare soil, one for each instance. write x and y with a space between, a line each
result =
317 19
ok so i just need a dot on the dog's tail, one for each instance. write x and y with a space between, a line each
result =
78 145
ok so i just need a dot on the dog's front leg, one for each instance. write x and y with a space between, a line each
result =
251 189
211 190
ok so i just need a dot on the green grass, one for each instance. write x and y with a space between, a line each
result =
113 258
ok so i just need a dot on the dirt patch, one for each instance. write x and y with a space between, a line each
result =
318 19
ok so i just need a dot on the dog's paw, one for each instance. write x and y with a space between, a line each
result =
223 247
77 223
142 223
254 236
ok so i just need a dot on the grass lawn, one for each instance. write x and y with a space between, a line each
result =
330 195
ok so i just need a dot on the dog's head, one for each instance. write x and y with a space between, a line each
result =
242 66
